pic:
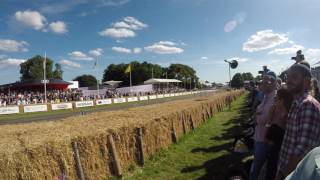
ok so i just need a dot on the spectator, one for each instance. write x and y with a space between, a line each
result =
303 124
276 129
261 147
308 168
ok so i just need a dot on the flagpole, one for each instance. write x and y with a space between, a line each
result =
45 77
167 80
98 90
152 73
130 80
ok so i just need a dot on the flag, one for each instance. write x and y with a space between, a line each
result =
128 70
95 64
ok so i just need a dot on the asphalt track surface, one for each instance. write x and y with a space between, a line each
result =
124 106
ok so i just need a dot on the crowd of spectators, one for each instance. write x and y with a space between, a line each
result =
37 97
286 118
57 96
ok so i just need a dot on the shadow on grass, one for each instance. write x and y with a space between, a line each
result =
228 164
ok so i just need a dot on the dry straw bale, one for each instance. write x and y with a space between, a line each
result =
43 150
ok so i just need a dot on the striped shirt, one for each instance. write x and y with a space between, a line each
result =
302 129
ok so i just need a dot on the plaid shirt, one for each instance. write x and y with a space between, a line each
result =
302 131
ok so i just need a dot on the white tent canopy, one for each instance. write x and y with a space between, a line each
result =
160 81
112 82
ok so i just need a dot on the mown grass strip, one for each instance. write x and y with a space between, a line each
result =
198 154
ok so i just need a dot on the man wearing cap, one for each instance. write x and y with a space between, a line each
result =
268 87
303 124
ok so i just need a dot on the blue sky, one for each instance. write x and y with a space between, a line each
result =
199 33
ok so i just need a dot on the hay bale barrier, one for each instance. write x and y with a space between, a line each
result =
79 147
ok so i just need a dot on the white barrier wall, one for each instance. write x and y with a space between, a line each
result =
160 96
9 110
153 97
119 100
143 98
35 108
84 104
79 104
132 99
61 106
103 102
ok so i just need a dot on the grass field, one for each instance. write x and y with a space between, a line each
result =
202 154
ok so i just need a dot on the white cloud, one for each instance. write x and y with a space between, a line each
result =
264 40
161 48
204 58
118 33
31 19
130 23
11 62
313 55
96 52
70 63
237 20
285 51
238 59
13 46
78 55
121 50
114 2
169 43
137 50
58 27
134 23
124 29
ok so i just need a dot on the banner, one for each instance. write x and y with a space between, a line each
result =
160 96
103 102
132 99
35 108
61 106
9 110
84 104
153 97
171 95
119 100
167 95
143 98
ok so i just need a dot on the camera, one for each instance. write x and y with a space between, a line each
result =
299 57
265 70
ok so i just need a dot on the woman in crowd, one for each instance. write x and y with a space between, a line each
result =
276 128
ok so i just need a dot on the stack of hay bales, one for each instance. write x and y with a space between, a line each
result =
45 150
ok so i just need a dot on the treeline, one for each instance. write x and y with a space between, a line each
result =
144 71
32 69
239 78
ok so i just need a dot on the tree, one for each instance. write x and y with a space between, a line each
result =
86 80
32 69
144 71
184 73
58 72
237 81
247 76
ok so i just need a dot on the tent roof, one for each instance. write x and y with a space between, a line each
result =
112 82
159 81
